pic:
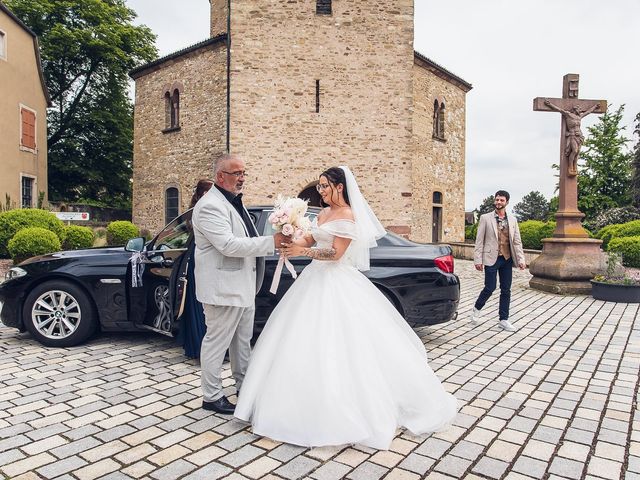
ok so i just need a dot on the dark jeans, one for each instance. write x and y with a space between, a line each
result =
505 269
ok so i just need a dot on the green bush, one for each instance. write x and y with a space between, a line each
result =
533 231
629 248
470 231
78 237
32 241
531 234
607 233
120 231
13 221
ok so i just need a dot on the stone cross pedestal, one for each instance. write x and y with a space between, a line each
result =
569 259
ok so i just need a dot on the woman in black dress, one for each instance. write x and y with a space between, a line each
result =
192 326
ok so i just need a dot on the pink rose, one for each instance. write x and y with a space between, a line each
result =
287 229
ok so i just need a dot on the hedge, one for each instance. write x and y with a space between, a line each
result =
533 231
32 241
77 238
120 231
629 248
13 221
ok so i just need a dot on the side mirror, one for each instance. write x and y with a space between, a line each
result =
135 244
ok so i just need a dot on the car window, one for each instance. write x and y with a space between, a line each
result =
175 235
268 228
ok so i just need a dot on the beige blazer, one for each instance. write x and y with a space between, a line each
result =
487 243
225 254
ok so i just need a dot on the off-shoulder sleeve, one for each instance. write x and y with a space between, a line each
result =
341 228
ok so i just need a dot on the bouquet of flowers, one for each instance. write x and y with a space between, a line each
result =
288 217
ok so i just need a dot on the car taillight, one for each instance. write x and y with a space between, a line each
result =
445 263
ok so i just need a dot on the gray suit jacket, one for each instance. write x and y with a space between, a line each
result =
486 249
225 254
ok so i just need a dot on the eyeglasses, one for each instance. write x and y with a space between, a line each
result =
322 186
238 174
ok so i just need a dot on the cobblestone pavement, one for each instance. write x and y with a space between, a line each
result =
556 399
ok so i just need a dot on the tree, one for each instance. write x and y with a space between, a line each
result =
604 179
635 181
87 49
486 206
533 206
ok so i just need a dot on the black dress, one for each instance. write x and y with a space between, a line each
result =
192 324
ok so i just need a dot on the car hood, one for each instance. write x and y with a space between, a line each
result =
89 252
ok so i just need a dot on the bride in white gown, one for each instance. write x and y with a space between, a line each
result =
336 363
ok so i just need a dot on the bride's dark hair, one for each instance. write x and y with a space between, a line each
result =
336 175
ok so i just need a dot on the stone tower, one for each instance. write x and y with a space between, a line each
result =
300 86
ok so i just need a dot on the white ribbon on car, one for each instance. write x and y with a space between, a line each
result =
282 261
137 269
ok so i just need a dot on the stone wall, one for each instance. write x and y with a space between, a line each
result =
438 165
181 157
363 57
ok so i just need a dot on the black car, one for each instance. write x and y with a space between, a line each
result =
63 298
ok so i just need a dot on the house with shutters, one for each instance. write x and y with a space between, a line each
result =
23 114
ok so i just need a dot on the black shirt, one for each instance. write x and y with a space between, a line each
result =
236 201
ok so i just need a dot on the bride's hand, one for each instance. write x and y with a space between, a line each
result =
291 250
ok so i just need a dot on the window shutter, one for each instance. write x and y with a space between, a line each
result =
28 139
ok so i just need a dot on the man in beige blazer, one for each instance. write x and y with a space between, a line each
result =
498 247
228 275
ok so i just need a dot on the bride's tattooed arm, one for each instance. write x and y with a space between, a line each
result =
320 253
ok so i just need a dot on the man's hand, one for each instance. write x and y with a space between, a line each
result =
479 267
279 239
522 265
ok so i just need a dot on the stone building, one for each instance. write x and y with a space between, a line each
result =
23 114
295 87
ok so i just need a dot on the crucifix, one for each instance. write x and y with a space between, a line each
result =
573 110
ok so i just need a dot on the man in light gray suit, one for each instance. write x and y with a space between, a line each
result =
228 276
498 247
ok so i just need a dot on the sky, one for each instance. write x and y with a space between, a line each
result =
511 52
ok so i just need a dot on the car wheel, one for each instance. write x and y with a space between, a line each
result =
59 314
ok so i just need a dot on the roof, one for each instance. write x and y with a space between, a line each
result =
442 72
155 64
36 47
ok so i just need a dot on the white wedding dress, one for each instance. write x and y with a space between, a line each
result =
336 363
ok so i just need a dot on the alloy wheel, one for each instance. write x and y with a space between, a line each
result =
56 314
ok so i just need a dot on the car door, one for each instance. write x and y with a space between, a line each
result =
155 304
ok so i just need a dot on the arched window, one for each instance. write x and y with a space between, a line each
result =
437 197
175 109
438 119
171 204
171 96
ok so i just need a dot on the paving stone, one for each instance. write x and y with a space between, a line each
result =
242 456
530 466
417 463
260 467
61 467
173 470
490 467
97 470
454 466
566 468
367 471
286 452
331 471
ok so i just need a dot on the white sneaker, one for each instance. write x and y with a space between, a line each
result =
506 325
475 316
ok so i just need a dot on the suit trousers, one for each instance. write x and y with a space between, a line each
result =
504 268
227 328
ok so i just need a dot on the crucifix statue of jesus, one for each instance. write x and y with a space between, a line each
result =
573 134
573 110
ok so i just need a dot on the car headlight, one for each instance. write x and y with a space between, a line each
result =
14 272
